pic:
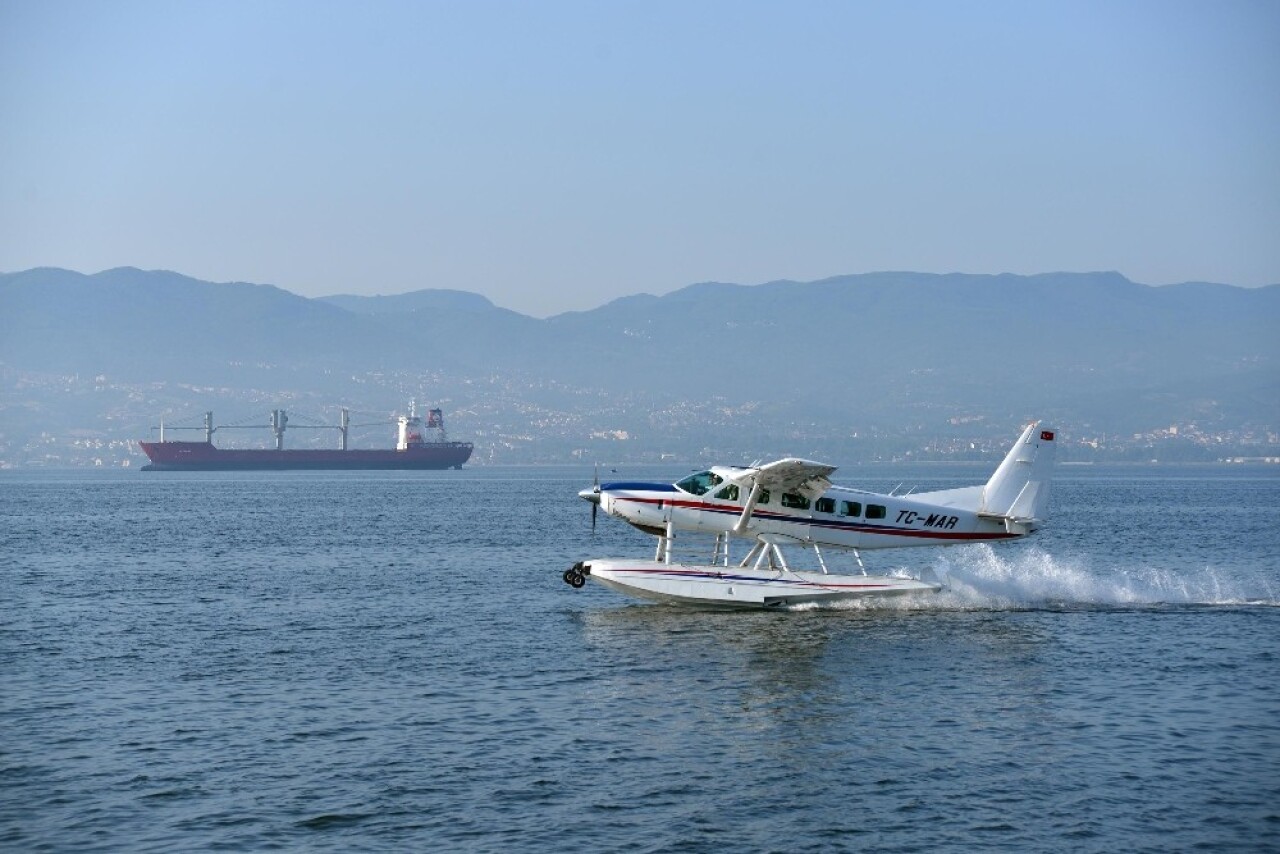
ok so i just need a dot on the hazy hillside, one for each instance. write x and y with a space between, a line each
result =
885 353
453 328
888 342
163 326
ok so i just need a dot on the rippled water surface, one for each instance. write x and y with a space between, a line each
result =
390 661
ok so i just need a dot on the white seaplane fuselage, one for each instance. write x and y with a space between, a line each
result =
791 503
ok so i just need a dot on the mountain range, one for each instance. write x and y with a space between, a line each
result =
870 354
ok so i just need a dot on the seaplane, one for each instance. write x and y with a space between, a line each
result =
792 504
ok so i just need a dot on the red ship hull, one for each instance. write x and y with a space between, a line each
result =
203 456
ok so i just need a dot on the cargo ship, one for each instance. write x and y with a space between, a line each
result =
412 451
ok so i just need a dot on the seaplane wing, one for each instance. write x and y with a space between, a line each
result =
788 475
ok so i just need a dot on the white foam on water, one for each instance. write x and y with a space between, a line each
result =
984 578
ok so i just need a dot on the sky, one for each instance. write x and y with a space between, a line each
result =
554 156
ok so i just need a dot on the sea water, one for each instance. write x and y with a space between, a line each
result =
391 661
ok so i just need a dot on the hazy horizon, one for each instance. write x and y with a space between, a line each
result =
554 157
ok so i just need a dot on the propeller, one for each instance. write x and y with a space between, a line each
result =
593 495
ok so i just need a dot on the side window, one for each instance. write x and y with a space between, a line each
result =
875 511
799 502
729 493
825 505
764 497
850 508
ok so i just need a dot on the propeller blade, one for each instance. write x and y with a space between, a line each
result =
595 505
593 495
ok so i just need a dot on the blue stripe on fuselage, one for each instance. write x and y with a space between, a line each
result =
638 486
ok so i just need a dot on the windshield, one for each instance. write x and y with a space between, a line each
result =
700 483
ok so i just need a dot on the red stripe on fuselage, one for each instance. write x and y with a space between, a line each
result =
861 528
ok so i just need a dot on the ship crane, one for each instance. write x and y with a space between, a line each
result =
409 426
279 421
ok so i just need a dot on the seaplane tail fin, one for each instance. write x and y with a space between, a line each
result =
1019 489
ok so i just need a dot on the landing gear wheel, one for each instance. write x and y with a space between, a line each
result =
574 577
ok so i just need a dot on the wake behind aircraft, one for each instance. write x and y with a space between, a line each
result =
792 503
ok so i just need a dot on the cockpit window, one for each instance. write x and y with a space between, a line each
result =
700 483
729 493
